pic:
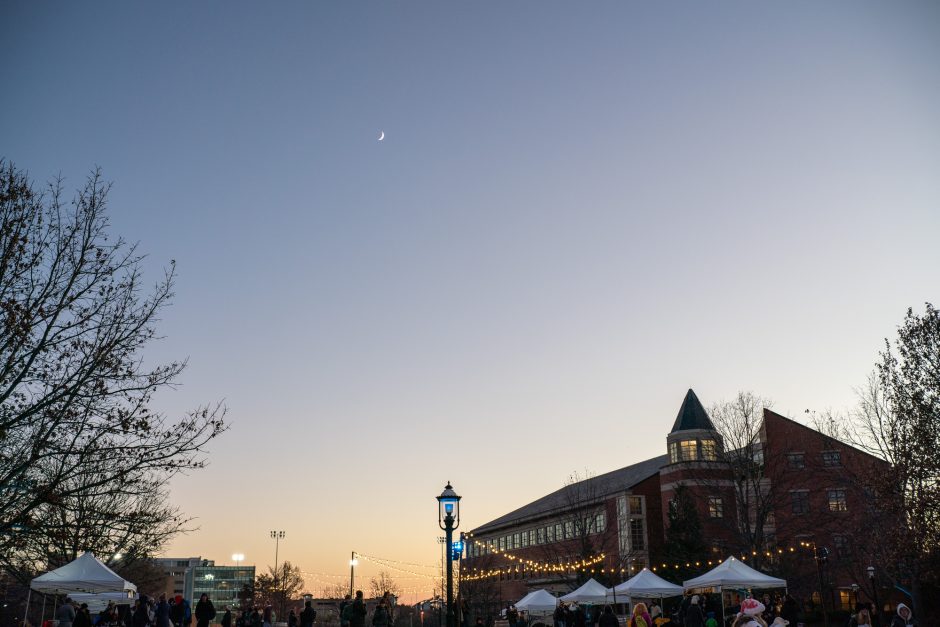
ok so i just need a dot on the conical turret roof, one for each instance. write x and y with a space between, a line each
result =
692 415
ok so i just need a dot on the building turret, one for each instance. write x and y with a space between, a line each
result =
693 437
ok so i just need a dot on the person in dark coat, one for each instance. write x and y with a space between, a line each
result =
358 614
82 617
161 615
227 618
308 615
790 610
608 619
694 616
205 611
140 618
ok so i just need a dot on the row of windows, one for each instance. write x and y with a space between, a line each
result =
830 459
544 535
693 450
835 501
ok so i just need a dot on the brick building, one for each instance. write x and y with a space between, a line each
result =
789 491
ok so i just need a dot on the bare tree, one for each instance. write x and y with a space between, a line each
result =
382 584
277 588
743 453
76 426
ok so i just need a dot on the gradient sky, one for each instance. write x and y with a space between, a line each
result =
579 211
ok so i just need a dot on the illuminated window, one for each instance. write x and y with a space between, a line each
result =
845 600
709 450
837 500
636 505
715 507
688 450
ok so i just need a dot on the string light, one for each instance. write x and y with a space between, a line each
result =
742 557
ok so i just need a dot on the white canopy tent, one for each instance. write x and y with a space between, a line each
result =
537 601
86 574
645 585
733 573
590 592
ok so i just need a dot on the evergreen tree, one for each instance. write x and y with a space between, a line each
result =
684 541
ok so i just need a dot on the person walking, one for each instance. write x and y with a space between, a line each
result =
380 616
82 617
161 613
608 619
66 613
227 617
343 615
308 615
357 613
141 617
205 611
694 617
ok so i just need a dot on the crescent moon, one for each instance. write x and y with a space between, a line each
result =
381 135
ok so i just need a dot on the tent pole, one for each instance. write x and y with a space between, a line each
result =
721 595
26 613
42 617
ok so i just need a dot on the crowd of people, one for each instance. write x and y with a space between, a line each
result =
700 610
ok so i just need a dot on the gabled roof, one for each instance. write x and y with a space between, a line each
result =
692 415
599 487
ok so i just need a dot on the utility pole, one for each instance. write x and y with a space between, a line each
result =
277 536
352 575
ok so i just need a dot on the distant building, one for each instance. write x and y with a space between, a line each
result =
225 585
175 570
814 496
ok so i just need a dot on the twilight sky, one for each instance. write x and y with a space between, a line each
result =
578 212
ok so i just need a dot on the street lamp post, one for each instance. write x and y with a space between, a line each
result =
352 573
277 536
448 517
821 554
874 592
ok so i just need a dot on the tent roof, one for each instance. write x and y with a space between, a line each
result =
645 584
733 572
84 574
537 601
590 592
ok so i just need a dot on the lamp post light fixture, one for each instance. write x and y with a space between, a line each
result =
353 562
277 536
448 518
874 593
